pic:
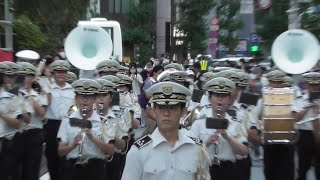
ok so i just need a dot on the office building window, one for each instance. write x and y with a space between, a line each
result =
119 6
111 6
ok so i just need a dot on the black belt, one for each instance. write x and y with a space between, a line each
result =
54 120
73 160
225 164
33 131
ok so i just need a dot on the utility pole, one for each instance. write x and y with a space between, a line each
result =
7 24
293 15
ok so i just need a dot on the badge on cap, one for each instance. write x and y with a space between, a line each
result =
167 89
222 83
86 85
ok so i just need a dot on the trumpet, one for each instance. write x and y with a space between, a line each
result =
81 160
100 109
215 160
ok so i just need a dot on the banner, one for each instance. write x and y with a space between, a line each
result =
6 55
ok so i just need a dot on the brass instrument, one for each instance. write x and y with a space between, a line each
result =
81 160
191 117
72 109
100 106
215 160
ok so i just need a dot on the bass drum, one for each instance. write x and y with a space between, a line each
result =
278 124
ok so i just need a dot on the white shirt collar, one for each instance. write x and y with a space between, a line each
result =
157 139
55 86
5 94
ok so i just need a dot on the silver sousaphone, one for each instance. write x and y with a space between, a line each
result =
87 46
295 51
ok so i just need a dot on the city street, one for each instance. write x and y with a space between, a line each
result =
256 170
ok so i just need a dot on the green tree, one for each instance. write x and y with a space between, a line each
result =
193 25
140 29
270 23
56 18
229 23
29 34
311 22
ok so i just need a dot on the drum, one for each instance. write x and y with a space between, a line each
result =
278 125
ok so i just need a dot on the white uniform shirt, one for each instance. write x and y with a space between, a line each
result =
9 103
61 100
41 99
67 134
205 99
225 153
299 105
135 84
130 101
160 161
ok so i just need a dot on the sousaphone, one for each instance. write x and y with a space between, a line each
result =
295 51
86 46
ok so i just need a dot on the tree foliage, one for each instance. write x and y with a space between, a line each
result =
55 18
270 23
29 34
193 25
229 23
140 31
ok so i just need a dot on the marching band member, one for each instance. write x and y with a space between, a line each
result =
175 66
167 153
10 81
222 150
85 146
35 104
250 124
128 99
123 70
108 67
10 123
71 77
61 98
205 77
103 101
307 146
278 158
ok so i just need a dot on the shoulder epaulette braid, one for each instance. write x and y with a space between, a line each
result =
143 141
197 141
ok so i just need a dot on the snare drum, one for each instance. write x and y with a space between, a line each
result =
278 125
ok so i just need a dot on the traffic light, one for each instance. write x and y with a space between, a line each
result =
254 48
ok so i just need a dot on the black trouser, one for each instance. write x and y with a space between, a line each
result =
93 170
226 171
245 168
9 157
114 169
30 158
279 162
308 153
51 152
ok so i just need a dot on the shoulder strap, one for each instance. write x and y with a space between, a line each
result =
197 141
143 141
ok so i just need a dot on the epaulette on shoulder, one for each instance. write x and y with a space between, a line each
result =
244 106
197 141
143 141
